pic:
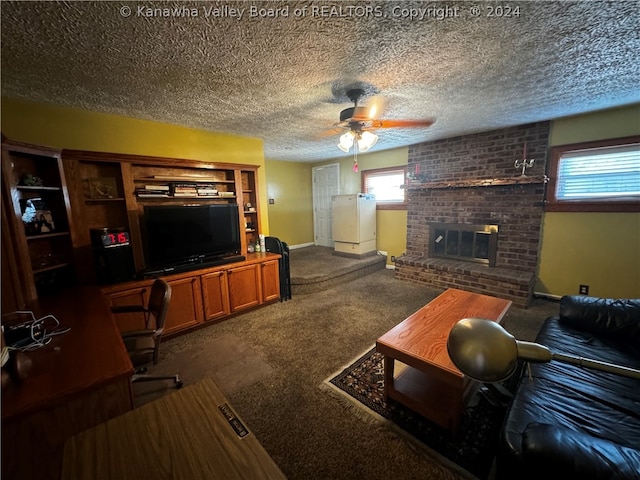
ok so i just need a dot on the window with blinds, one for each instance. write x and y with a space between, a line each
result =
601 177
386 184
600 173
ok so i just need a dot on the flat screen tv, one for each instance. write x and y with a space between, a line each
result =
183 234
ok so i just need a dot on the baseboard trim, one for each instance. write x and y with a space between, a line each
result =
301 245
548 296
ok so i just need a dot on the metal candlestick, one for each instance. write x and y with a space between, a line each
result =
524 164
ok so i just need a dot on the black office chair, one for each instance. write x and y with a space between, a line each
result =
143 346
274 245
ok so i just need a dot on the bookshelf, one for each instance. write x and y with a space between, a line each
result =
138 181
37 210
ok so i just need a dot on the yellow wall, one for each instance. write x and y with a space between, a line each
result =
61 127
601 250
291 214
391 224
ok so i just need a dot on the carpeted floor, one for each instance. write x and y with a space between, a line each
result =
296 345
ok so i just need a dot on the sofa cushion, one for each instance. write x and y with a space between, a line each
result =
616 319
571 454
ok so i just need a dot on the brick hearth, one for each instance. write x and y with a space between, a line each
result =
516 208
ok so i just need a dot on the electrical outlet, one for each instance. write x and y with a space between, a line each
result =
393 258
584 290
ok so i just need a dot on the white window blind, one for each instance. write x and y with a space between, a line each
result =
386 186
599 173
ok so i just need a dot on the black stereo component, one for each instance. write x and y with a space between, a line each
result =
113 255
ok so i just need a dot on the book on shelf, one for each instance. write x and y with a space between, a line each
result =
184 184
156 187
153 195
207 191
144 192
190 191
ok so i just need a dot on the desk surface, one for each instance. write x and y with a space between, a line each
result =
90 355
183 435
422 337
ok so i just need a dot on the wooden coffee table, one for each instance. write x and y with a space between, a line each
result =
427 381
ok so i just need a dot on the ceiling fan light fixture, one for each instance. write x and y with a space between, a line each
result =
366 140
346 142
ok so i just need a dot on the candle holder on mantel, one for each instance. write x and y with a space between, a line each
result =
524 164
416 176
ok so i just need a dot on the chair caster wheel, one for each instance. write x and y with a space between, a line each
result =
179 384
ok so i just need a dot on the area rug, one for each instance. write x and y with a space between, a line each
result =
473 449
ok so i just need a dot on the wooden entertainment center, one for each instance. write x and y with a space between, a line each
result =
85 190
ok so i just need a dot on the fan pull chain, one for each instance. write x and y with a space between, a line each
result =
355 156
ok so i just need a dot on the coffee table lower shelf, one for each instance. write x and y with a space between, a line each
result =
426 394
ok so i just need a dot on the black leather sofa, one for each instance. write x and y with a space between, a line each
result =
566 421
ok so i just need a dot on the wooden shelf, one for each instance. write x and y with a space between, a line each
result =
50 268
100 200
185 197
485 182
186 179
46 236
34 188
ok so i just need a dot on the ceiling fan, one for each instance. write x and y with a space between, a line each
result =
358 121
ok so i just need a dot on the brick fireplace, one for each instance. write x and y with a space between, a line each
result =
469 199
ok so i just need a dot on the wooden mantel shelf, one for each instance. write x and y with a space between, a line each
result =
484 182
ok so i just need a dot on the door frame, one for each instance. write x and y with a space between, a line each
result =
314 192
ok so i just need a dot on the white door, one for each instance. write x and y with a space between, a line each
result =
326 184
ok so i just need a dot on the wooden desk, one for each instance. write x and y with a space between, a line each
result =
183 435
431 384
80 379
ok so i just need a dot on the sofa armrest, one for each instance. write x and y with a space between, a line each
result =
550 449
617 318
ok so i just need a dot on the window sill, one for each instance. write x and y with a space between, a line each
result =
391 206
587 206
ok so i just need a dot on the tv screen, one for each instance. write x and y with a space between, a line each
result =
178 234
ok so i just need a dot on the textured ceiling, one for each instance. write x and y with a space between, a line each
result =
472 66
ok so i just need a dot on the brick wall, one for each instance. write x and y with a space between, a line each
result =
516 209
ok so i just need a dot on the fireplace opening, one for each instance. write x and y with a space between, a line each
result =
473 243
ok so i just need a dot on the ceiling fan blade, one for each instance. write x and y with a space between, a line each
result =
403 123
331 131
372 111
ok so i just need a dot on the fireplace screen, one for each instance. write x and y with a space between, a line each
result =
474 243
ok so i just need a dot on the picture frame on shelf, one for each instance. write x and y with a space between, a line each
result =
36 217
102 188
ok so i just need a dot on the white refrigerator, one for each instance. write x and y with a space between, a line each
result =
354 223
